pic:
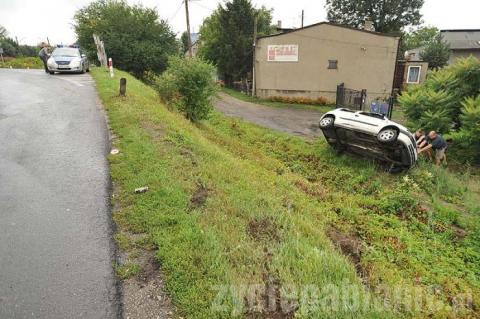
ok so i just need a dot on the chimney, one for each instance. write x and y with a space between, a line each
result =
368 25
279 24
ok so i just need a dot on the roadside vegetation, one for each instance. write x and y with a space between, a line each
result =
231 205
449 102
135 37
248 98
22 63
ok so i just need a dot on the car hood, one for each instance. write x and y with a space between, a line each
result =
65 58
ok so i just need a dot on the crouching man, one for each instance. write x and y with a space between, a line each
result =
437 143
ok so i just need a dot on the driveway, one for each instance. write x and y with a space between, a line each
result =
291 120
56 251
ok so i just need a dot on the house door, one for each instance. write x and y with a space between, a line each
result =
399 74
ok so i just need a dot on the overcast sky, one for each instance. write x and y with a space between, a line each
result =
31 21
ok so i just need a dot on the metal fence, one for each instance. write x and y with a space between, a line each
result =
349 98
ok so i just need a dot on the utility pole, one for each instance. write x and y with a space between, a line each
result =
254 84
303 15
188 30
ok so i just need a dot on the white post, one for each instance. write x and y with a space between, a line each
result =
110 66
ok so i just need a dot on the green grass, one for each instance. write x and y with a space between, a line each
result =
251 99
22 63
232 204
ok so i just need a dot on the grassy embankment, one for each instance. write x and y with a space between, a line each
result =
233 204
22 63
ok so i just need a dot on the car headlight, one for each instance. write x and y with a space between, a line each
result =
51 62
75 63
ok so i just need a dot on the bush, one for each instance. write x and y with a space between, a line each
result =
467 140
449 102
189 85
301 100
442 95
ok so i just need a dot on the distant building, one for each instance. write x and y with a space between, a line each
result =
463 43
310 62
195 44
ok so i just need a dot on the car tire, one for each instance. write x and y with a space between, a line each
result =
51 72
326 122
387 135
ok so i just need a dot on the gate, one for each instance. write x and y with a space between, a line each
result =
348 98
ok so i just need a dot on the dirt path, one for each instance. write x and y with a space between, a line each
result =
294 121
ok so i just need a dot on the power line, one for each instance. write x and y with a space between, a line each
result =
202 6
176 12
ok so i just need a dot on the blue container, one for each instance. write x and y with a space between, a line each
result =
380 107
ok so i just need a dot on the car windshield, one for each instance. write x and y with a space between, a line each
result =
70 52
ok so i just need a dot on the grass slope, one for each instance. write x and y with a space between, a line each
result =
236 212
22 63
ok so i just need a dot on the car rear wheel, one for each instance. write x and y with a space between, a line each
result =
326 122
387 135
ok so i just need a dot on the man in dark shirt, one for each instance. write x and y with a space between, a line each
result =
437 144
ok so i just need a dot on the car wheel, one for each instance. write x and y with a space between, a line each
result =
387 135
51 72
326 122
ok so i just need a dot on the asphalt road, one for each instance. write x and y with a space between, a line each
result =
56 252
298 122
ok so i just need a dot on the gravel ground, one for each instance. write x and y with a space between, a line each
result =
298 122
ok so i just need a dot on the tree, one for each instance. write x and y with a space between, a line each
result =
134 36
3 32
420 37
184 41
388 16
227 37
436 53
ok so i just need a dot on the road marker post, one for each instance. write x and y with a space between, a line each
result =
110 66
123 86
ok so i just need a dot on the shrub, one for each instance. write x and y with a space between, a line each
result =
301 100
189 85
442 94
467 141
449 102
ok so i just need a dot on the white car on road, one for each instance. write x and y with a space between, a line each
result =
370 134
67 60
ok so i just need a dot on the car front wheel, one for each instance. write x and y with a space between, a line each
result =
387 135
326 122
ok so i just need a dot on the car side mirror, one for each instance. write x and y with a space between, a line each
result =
83 55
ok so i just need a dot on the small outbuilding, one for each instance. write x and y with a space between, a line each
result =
310 62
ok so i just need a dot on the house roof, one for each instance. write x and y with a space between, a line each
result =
462 39
332 24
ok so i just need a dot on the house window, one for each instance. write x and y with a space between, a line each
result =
333 64
413 75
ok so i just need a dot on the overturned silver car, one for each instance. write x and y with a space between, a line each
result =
371 135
